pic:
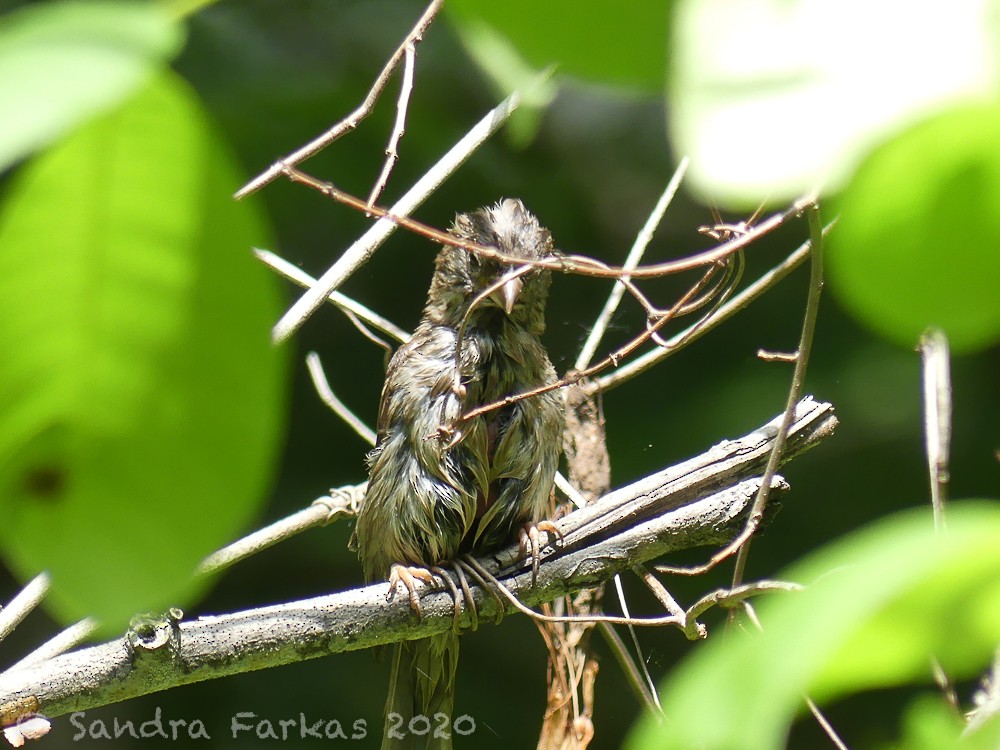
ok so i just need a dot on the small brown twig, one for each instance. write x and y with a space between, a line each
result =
739 544
352 120
577 264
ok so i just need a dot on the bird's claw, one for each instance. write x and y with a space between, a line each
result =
408 575
529 545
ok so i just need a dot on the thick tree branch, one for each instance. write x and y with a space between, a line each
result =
702 501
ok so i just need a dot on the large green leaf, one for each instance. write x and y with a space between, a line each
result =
775 98
622 44
62 63
140 399
918 243
879 605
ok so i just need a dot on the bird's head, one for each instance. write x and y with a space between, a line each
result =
462 276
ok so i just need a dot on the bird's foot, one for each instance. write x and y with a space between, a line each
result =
448 572
528 541
408 575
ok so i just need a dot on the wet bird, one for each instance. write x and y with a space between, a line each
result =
441 484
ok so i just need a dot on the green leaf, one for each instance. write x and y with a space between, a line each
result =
62 63
140 399
772 99
918 242
878 605
508 71
623 44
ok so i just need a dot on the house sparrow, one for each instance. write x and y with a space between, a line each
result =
441 485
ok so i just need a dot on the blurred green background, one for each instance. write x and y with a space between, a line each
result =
271 76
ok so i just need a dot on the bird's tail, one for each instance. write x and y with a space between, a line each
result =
419 708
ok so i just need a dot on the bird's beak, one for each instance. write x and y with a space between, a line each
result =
509 293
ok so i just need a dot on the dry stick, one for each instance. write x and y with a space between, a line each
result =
675 509
632 260
322 386
934 352
363 248
647 677
826 726
62 642
342 301
802 357
351 121
391 151
736 304
798 378
23 604
937 417
578 264
342 502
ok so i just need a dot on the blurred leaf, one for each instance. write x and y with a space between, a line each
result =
878 605
775 98
931 724
918 243
508 71
62 63
140 399
622 44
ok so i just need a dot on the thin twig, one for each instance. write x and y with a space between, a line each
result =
362 249
937 417
351 121
322 386
632 260
391 151
635 678
571 493
347 304
342 501
23 604
802 353
578 264
738 303
62 642
827 727
612 359
647 677
740 544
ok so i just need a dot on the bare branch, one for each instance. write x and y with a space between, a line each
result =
342 501
23 604
675 509
740 302
342 301
72 636
350 122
